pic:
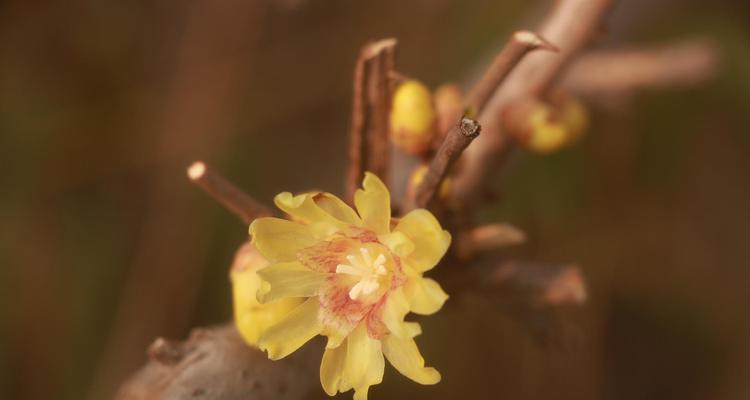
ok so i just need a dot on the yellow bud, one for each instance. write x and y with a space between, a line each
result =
449 103
546 135
418 175
412 118
576 117
251 317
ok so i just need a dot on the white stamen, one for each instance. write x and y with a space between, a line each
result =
366 269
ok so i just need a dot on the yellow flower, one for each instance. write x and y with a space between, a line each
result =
251 317
359 274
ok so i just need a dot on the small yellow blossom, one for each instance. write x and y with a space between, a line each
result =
251 317
358 274
412 118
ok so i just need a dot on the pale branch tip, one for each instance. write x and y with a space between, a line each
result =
225 192
520 44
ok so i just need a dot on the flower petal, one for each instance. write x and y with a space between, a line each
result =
337 208
404 355
364 362
394 311
250 317
288 279
279 240
302 208
425 296
301 325
430 240
332 369
373 203
398 243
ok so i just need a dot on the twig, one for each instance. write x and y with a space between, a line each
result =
546 285
215 363
620 72
487 238
232 198
517 47
570 26
458 138
369 148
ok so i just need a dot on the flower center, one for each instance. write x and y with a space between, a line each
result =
367 269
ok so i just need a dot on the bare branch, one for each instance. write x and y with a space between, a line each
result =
546 285
517 47
621 72
458 138
216 363
232 198
570 26
487 238
369 148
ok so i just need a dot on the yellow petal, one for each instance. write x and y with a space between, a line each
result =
394 311
301 325
332 369
250 317
364 362
430 240
373 203
288 279
425 296
337 208
398 243
302 208
279 240
404 355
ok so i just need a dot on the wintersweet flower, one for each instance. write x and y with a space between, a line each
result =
359 274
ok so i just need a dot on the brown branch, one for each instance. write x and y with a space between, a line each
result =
216 363
457 139
571 26
230 196
621 72
520 44
369 148
487 238
541 285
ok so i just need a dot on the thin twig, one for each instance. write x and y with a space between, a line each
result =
517 47
487 238
571 26
546 285
230 196
369 148
621 72
458 138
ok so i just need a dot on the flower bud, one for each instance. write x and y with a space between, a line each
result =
412 118
449 104
545 127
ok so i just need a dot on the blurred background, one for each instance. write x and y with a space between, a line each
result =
105 245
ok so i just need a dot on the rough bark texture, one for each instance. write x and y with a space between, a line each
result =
215 363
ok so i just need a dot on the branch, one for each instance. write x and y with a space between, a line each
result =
487 238
520 44
232 198
541 285
369 147
570 26
457 139
216 363
621 72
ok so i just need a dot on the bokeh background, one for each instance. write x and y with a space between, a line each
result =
105 245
